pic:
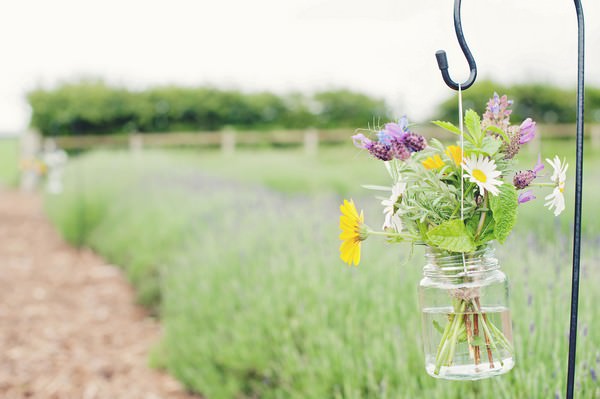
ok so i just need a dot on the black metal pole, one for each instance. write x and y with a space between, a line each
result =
578 195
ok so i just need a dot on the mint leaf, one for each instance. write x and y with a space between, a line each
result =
504 210
490 145
447 126
452 235
473 124
498 131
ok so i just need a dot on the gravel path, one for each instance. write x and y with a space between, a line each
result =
68 324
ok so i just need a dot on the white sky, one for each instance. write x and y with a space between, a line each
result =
382 47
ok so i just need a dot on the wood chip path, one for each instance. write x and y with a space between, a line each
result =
68 324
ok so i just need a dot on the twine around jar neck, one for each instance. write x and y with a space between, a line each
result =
441 263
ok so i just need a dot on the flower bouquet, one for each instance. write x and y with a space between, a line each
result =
456 199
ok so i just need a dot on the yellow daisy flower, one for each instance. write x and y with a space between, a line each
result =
433 162
455 153
353 233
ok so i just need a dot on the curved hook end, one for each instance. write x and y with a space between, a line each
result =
442 60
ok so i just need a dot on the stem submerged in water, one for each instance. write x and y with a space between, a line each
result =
469 319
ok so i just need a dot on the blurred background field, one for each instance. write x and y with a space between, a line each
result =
238 256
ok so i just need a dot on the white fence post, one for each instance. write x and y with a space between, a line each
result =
136 143
228 141
311 142
30 150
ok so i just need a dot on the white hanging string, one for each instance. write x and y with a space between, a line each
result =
462 151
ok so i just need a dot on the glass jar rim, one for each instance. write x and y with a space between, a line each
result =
442 263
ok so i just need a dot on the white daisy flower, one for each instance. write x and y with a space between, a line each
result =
482 171
392 220
560 172
556 199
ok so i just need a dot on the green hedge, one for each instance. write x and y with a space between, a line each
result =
92 107
544 103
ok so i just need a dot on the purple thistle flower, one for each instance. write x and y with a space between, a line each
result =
526 196
527 131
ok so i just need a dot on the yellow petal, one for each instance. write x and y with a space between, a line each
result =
357 255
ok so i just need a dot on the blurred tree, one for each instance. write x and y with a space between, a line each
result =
349 109
542 102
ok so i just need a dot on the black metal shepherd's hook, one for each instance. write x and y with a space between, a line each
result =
443 65
442 61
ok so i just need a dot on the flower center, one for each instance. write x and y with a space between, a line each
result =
479 175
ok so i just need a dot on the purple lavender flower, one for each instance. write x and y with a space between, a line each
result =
524 178
397 130
385 137
526 196
527 131
415 142
361 141
498 112
593 375
400 150
381 151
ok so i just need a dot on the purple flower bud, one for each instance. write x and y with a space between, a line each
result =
526 196
523 179
527 131
361 141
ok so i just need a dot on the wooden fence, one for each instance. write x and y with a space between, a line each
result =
310 139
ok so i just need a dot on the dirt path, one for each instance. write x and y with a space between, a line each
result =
68 326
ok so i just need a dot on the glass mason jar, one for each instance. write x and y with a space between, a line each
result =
467 333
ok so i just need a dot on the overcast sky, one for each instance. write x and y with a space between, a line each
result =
383 47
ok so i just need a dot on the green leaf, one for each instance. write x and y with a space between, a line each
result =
490 145
451 235
473 124
497 130
504 210
447 126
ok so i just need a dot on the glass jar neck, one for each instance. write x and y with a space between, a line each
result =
444 264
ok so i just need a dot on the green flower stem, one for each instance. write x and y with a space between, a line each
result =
486 330
543 184
483 216
389 234
449 339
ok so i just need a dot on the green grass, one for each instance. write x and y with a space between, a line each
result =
239 257
9 162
